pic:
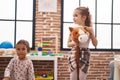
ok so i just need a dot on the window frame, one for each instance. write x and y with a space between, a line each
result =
32 21
95 28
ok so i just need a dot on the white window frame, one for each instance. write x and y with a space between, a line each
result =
17 21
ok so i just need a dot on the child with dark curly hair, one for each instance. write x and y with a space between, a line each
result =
20 67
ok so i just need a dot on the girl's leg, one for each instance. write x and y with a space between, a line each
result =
73 75
82 75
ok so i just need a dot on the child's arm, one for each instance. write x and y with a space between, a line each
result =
31 75
92 36
94 40
8 70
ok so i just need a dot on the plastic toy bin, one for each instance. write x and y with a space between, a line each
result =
40 78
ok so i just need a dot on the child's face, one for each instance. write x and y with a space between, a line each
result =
78 18
21 51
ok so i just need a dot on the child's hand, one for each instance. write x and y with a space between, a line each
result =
6 79
89 29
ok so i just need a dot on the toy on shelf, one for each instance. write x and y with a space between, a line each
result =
44 76
6 48
49 45
40 49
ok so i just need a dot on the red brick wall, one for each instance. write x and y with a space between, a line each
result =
48 23
99 66
3 63
99 62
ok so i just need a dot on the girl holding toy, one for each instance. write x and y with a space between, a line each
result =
82 19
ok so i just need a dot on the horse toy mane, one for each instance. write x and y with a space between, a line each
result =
74 32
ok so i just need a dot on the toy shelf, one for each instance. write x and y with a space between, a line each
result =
46 58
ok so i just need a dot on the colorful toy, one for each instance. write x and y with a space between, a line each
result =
49 45
6 47
79 34
44 75
6 44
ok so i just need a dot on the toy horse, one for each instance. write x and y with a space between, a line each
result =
74 32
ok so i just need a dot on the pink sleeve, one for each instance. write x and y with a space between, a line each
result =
9 68
31 75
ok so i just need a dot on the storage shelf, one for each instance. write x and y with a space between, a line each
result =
47 58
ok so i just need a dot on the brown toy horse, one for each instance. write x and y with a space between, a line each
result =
74 32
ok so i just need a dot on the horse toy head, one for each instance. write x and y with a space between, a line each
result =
78 34
74 32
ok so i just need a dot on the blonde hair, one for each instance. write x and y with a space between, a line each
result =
84 11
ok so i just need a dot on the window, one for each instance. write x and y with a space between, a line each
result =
17 21
105 20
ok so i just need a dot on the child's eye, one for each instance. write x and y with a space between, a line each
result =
23 48
75 15
18 49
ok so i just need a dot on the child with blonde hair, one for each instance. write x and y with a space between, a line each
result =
81 18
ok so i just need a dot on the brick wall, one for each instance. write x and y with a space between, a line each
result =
3 63
99 66
48 23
